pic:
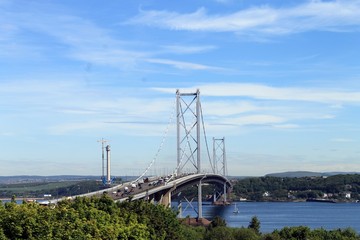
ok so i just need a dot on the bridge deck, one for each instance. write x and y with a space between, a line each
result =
142 191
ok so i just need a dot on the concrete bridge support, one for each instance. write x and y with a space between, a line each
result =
200 201
165 199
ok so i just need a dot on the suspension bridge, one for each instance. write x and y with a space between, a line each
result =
190 130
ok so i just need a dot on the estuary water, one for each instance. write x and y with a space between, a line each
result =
276 215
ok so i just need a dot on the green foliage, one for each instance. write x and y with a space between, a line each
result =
161 220
217 222
338 234
271 236
295 233
102 218
219 233
89 218
193 233
245 234
302 233
255 225
301 188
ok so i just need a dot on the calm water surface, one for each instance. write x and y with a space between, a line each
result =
276 215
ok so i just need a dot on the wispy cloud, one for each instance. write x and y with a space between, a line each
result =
341 15
286 126
259 91
183 65
231 107
73 106
258 119
342 140
183 49
223 1
84 40
65 107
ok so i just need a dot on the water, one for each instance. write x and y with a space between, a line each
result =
276 215
8 200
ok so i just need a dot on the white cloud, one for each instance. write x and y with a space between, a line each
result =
338 15
86 41
337 106
327 116
65 107
68 106
286 126
71 127
259 91
256 119
37 86
223 1
182 65
226 108
242 163
7 134
342 140
178 49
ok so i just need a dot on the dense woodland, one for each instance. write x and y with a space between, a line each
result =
102 218
337 187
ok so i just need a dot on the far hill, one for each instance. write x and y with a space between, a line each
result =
35 179
299 174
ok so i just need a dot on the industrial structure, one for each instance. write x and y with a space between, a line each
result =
103 141
108 166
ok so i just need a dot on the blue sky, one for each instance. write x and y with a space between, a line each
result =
280 80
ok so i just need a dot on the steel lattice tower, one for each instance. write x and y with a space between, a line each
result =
219 156
188 144
188 130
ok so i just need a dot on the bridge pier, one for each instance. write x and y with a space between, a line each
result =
199 200
165 199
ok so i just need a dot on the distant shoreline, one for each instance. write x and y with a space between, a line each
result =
22 198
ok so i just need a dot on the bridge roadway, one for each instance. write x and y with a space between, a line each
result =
161 192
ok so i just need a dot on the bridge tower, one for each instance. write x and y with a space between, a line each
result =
188 135
219 156
188 130
219 159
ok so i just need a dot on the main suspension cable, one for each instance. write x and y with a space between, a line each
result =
206 143
160 147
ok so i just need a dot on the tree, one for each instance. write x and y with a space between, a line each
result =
220 233
255 225
193 233
295 233
217 222
245 234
